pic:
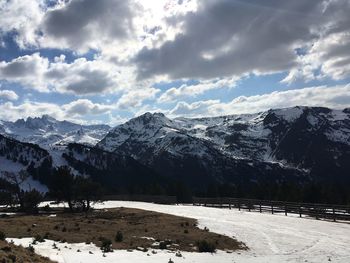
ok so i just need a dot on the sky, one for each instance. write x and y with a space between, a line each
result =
107 61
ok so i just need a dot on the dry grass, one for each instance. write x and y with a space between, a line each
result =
136 225
10 253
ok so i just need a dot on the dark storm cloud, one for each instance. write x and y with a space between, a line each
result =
81 22
226 37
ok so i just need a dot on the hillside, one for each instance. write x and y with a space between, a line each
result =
315 141
287 148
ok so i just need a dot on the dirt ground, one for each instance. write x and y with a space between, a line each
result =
10 253
139 228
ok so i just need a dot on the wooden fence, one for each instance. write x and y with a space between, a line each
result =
158 199
318 211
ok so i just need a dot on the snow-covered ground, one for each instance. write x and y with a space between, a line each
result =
271 238
15 167
68 253
10 166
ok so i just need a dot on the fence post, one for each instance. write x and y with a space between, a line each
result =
249 206
299 210
285 209
333 210
260 206
272 208
229 203
239 205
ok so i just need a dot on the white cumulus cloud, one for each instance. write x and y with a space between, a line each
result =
334 97
8 95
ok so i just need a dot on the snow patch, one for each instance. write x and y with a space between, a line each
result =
289 114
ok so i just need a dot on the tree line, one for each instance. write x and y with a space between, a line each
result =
78 192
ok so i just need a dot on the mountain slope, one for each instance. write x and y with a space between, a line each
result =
293 141
21 153
17 156
294 145
112 170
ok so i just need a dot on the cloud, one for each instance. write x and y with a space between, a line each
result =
83 107
331 55
8 95
80 77
26 70
231 38
327 57
208 45
79 110
332 97
225 38
23 66
192 39
82 25
135 98
74 111
22 18
194 90
199 108
12 112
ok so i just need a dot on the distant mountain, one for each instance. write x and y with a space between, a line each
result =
301 140
250 152
113 171
53 135
49 132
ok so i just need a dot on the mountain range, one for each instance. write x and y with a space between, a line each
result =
299 144
47 131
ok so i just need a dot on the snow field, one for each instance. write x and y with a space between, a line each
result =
270 238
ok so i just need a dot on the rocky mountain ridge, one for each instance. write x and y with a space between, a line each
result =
299 144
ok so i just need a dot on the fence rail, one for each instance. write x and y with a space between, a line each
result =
318 211
158 199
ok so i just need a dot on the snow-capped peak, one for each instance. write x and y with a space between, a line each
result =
289 114
47 132
36 122
150 119
253 136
